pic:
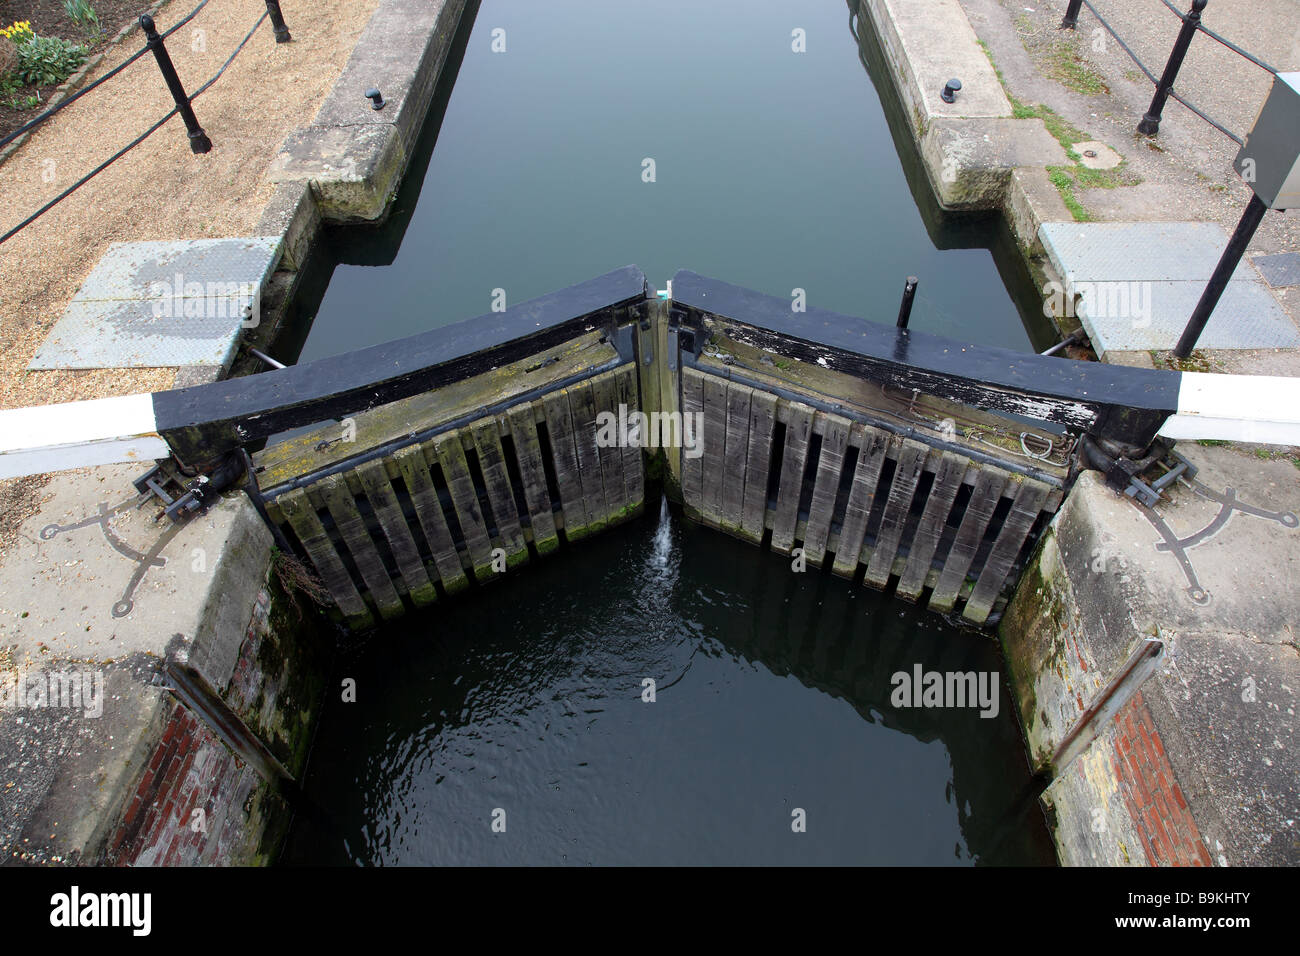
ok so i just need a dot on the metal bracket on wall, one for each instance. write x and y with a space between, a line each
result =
1141 664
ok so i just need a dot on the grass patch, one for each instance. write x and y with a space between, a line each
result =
1068 180
1068 68
1064 183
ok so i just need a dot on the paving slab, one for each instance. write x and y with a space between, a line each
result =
163 305
1140 283
1280 270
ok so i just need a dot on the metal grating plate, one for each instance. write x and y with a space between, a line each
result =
163 304
1154 274
1280 270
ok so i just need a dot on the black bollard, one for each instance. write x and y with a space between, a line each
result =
1250 221
1071 18
277 21
1150 124
199 141
909 294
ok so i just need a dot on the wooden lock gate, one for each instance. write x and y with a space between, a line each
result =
452 457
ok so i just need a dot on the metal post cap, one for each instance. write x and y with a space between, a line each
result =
949 94
376 98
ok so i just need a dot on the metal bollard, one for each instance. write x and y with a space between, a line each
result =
909 294
1071 18
199 141
277 21
1150 124
1250 220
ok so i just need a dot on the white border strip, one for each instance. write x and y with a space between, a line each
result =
79 434
1248 408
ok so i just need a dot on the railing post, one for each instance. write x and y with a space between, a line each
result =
199 141
909 294
1071 18
277 21
1150 124
1250 221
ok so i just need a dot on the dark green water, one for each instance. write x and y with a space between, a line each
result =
773 693
774 170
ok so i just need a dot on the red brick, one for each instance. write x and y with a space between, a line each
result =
1203 853
1144 795
1128 726
1146 739
1135 767
1162 807
1146 843
1177 793
132 811
1147 723
185 765
1161 836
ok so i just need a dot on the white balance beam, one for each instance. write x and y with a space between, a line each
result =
1248 408
79 434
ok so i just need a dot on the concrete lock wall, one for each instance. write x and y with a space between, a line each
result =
190 791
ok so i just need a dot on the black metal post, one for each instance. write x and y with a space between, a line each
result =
277 21
1250 221
1071 18
909 294
1150 124
199 141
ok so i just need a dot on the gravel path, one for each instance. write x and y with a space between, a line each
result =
159 190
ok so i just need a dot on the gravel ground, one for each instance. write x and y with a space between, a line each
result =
1186 171
159 190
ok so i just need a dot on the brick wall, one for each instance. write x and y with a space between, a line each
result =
273 689
191 769
1154 799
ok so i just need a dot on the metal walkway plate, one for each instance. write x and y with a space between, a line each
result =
1140 283
1280 270
162 305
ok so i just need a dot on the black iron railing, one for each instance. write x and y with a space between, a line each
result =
155 43
1164 84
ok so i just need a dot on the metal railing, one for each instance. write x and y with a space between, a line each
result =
1164 84
155 43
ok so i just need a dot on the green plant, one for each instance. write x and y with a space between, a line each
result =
83 14
45 61
1065 65
24 103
